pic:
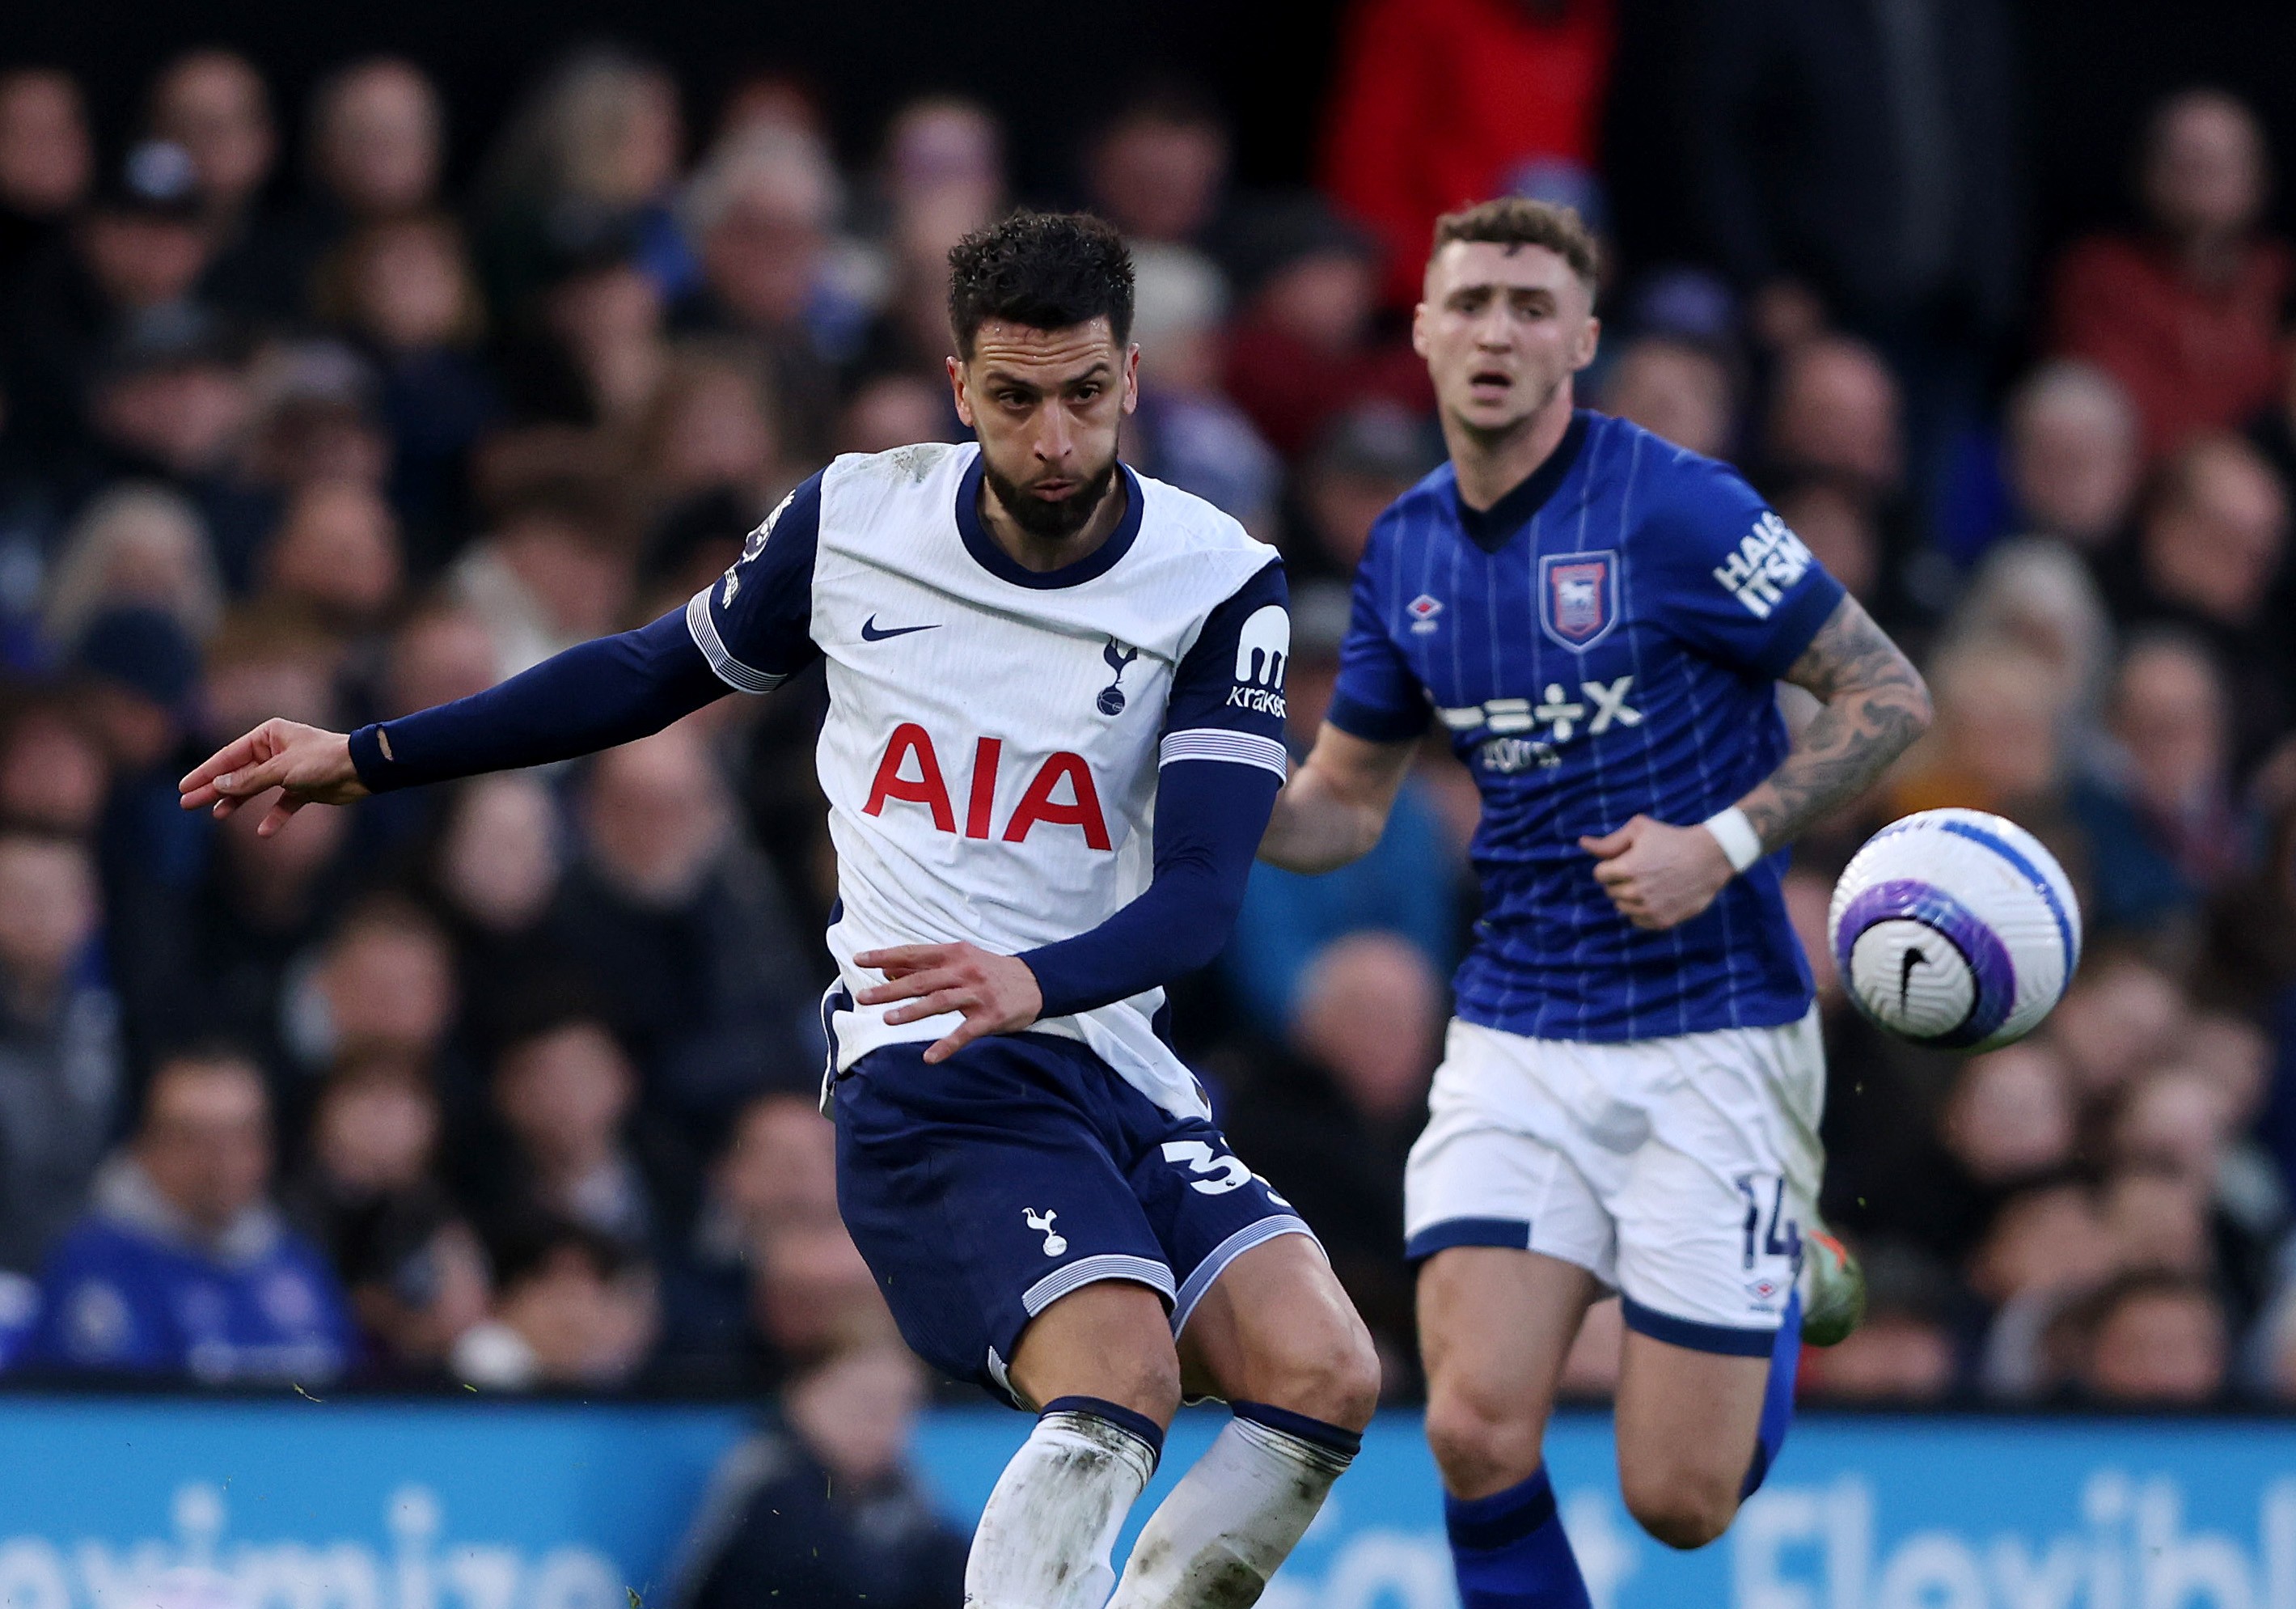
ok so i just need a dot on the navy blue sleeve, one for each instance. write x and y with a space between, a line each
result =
754 624
1377 697
1737 585
1221 762
590 697
1227 702
1208 822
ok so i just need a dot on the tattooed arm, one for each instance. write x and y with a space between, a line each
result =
1871 706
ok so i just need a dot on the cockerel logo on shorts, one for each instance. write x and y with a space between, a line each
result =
1578 597
1056 1243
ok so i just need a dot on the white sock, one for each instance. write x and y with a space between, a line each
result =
1236 1515
1050 1525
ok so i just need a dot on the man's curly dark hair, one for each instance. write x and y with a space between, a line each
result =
1046 270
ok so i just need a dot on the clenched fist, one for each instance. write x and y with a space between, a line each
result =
1659 876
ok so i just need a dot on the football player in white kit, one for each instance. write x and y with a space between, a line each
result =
1053 737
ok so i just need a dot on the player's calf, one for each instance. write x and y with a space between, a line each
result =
1688 1423
1277 1338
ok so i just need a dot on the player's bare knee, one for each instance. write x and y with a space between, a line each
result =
1339 1377
1680 1508
1146 1378
1480 1445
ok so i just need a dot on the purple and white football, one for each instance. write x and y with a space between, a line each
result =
1954 928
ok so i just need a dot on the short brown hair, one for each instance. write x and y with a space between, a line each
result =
1509 220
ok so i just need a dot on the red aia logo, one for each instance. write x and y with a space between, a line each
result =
1080 809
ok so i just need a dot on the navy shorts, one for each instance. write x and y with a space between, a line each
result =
982 1190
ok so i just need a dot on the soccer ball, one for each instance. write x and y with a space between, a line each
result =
1956 929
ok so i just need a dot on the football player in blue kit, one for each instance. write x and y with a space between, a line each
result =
1053 735
1631 1085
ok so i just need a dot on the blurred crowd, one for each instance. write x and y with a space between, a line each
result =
513 1084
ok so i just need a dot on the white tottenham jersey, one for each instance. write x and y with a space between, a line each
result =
994 734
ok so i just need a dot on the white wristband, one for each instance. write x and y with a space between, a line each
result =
1736 835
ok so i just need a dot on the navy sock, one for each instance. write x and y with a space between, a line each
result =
1341 1443
1777 1398
1129 1420
1510 1552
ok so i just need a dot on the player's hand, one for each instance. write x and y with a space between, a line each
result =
311 767
1659 876
997 994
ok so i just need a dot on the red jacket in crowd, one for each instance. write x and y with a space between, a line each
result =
1438 102
2193 358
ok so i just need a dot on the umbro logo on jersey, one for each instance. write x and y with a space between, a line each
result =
872 632
1423 611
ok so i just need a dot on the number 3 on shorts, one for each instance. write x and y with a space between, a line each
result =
1223 1173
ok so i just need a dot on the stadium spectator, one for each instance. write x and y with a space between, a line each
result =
1158 168
819 1505
811 1296
2171 730
712 426
1306 344
778 1169
47 159
572 1308
943 152
1331 1130
383 981
377 144
555 569
761 211
1363 459
682 926
566 1097
1676 388
336 554
2011 1117
1835 518
135 544
418 1282
404 287
53 772
2153 1339
2208 549
135 249
2186 318
1438 103
182 1265
592 155
493 874
215 104
2072 460
2122 1015
61 1077
1185 431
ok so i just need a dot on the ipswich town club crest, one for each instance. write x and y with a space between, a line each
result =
1578 597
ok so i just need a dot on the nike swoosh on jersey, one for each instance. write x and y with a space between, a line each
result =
870 633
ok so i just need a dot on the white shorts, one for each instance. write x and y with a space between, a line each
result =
1678 1171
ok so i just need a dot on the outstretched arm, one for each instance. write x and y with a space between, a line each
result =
1336 805
1872 706
590 697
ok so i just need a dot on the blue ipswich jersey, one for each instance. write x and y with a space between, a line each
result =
1601 643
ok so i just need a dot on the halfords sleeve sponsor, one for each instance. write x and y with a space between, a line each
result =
1770 559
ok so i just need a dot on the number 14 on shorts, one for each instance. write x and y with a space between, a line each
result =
1220 1172
1782 1236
